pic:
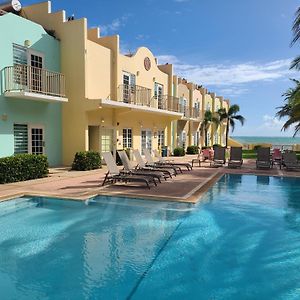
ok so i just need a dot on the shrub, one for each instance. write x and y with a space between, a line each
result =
216 145
86 160
192 150
256 147
179 151
23 167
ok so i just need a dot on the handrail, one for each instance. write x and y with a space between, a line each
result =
34 80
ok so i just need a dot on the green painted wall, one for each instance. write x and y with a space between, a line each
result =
16 30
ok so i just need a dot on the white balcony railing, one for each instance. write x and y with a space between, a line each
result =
24 78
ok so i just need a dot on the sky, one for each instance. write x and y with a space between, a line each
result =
239 49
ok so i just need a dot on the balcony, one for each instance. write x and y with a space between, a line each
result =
140 98
26 82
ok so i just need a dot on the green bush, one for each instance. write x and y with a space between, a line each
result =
86 160
192 150
216 145
23 167
256 147
179 151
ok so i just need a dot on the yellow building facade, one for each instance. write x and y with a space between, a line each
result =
119 101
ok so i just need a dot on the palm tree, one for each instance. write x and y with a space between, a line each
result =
230 117
208 119
292 107
296 33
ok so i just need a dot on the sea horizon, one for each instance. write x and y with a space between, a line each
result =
275 140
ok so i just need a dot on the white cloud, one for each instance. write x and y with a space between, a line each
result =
233 91
142 37
270 122
229 74
115 25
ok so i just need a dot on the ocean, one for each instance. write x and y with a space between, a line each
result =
267 140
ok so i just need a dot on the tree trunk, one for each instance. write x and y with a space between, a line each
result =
205 137
227 131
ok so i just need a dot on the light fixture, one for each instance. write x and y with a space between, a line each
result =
27 43
102 120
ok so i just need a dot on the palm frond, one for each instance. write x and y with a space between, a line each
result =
295 64
296 27
239 118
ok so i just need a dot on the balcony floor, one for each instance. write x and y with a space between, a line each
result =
34 96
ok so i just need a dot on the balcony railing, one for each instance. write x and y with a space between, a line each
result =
134 94
24 78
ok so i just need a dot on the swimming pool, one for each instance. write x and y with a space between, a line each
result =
241 242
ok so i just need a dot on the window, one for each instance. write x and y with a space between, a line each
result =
128 87
28 139
182 139
146 143
161 138
196 138
19 54
20 138
183 106
127 138
216 138
158 94
37 141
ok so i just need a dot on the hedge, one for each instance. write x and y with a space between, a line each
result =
192 150
86 160
179 151
23 167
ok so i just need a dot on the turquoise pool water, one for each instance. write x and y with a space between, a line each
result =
241 242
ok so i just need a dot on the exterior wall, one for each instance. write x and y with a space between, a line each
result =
31 112
144 78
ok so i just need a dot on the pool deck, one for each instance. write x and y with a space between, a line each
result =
186 187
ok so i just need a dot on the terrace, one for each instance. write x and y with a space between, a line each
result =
27 82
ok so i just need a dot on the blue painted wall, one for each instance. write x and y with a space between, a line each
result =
15 29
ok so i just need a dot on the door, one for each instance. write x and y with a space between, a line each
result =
128 87
36 140
36 64
158 94
106 139
146 140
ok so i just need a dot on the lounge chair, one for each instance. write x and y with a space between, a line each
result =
219 157
263 158
142 165
198 160
236 157
151 162
277 157
129 168
204 156
113 175
290 161
163 160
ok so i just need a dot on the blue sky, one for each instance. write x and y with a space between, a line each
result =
236 48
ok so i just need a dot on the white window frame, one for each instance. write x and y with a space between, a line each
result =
128 142
147 137
160 141
35 126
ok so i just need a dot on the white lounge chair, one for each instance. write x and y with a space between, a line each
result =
142 165
129 168
113 175
164 160
151 162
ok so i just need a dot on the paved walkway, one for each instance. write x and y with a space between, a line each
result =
186 187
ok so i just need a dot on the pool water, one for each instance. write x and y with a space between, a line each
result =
242 241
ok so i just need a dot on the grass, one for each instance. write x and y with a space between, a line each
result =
252 154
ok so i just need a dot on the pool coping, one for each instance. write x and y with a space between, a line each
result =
192 197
